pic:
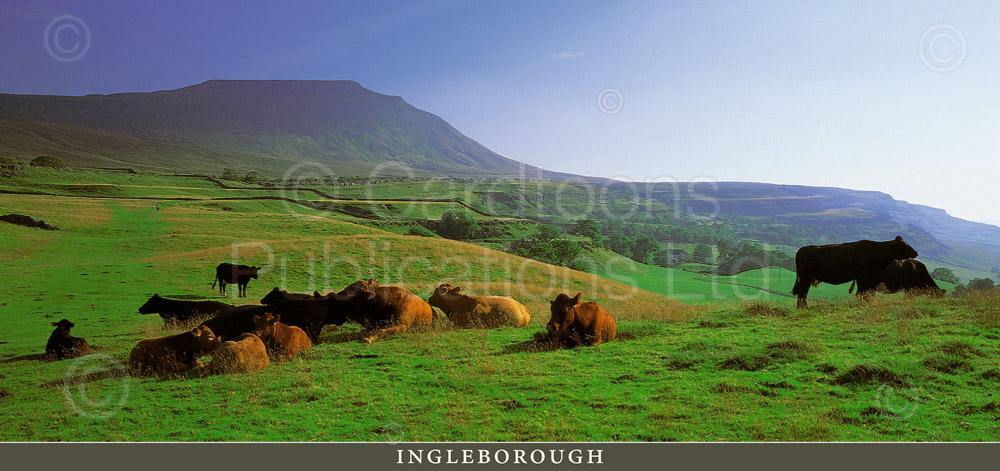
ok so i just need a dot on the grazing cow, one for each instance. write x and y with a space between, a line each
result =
181 310
909 276
862 261
278 295
479 311
240 275
310 315
382 310
173 353
63 345
245 354
283 341
575 323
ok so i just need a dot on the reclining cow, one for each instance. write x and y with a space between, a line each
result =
479 311
244 354
62 345
278 295
283 341
176 310
239 275
862 261
910 276
310 315
574 323
174 353
383 311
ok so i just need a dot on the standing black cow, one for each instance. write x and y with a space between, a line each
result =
240 275
181 310
909 276
862 261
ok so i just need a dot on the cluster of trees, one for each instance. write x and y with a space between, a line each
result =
738 257
548 245
945 274
977 284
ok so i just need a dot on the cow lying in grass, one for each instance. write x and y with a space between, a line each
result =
574 323
310 315
279 295
383 311
245 354
176 310
63 345
283 341
479 311
173 353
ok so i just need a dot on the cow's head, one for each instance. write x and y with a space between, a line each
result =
561 309
902 250
274 296
254 272
264 323
152 305
205 339
64 325
361 290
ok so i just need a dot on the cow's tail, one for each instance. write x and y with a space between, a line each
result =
795 288
216 280
851 289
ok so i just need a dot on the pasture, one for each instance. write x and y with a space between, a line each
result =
729 365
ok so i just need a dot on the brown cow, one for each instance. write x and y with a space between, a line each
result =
63 345
283 342
575 323
246 354
382 310
173 353
479 311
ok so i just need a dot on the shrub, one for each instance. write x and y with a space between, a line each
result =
47 161
458 225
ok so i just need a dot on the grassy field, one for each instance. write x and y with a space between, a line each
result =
738 368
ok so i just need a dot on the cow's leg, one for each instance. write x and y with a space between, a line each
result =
383 333
802 291
865 290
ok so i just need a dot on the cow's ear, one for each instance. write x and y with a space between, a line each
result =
256 319
373 282
54 324
899 238
156 295
317 295
578 297
456 290
276 317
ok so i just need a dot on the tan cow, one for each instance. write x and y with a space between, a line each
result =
283 341
479 311
382 310
173 353
575 323
245 354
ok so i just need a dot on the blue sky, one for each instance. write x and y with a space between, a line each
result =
896 96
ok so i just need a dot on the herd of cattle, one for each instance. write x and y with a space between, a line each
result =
248 337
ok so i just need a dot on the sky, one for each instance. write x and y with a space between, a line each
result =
895 96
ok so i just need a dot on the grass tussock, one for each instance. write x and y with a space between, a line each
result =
863 375
764 309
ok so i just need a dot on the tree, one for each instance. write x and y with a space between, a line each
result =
47 161
945 274
980 284
702 254
589 228
644 246
252 177
458 225
229 174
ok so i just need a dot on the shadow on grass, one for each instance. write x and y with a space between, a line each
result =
539 342
29 357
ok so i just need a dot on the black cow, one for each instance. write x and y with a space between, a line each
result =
180 310
309 315
63 345
862 261
278 295
240 275
909 276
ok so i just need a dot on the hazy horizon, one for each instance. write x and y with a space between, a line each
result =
882 96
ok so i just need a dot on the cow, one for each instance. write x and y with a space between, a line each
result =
278 295
479 311
381 310
283 341
176 310
910 276
244 354
310 315
174 353
62 345
574 323
240 275
862 261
